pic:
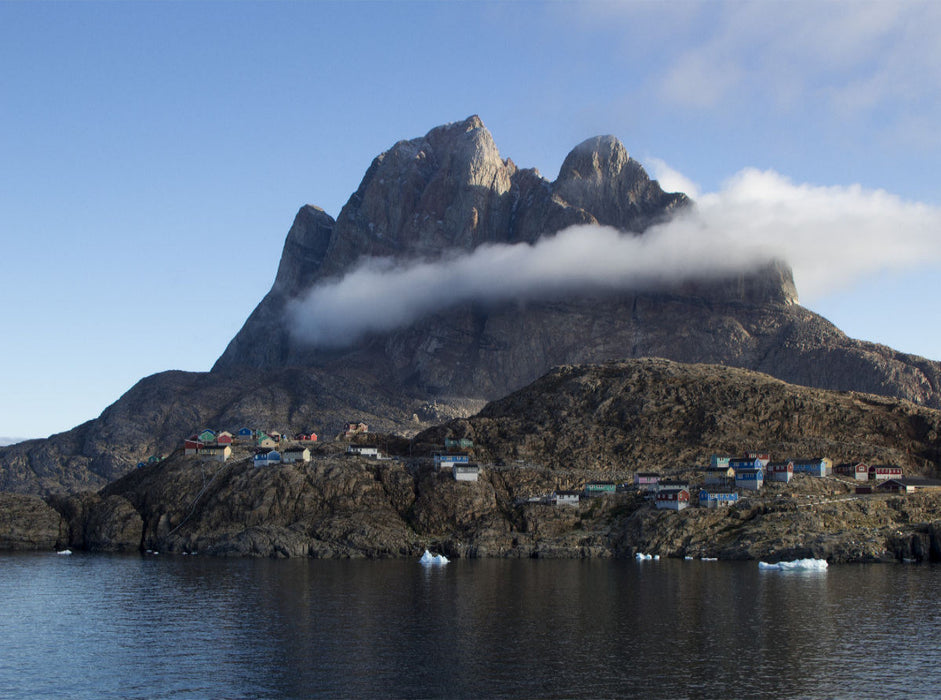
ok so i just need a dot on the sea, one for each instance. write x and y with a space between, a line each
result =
158 626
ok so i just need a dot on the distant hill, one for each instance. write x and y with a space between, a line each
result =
430 198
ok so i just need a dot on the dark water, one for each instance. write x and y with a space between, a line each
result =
102 626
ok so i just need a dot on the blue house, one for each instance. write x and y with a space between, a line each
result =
746 463
246 434
717 497
815 466
265 458
750 479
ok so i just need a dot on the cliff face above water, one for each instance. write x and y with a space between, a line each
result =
427 198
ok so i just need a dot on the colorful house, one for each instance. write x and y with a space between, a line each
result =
600 488
447 461
355 429
747 463
295 454
218 453
749 478
717 462
266 458
246 434
306 437
224 438
466 472
717 497
565 498
780 471
191 445
882 472
719 475
815 466
646 480
458 443
363 450
207 436
264 440
672 499
857 470
762 457
141 465
153 459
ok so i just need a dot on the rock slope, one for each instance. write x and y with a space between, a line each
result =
571 426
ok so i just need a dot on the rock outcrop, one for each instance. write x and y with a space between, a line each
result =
28 523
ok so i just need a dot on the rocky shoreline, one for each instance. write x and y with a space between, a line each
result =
339 506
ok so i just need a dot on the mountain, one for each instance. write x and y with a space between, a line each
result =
427 199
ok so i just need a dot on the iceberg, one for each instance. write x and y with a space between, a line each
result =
429 559
65 552
796 565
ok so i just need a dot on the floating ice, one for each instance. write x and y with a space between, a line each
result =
65 552
709 559
688 558
640 556
796 565
430 559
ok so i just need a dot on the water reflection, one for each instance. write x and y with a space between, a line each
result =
98 626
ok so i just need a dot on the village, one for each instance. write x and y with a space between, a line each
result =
721 483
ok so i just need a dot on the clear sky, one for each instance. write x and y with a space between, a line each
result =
154 154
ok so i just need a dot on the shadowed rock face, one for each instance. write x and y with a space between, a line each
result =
424 198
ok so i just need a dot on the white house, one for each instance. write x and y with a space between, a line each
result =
295 454
466 472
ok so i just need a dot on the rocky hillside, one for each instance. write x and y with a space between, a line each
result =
426 198
655 414
571 426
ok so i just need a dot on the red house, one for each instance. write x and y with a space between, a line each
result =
883 472
672 499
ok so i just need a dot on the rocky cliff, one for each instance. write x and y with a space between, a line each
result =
424 199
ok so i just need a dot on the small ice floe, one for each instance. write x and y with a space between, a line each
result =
640 556
65 552
796 565
688 558
429 559
709 559
152 552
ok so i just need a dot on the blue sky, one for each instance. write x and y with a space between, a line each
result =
154 154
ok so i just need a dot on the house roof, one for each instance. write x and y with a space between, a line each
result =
914 482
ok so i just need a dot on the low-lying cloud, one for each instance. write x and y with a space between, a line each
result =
831 237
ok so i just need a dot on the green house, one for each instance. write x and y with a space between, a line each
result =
600 488
458 443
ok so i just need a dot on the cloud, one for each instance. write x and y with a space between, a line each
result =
853 57
831 236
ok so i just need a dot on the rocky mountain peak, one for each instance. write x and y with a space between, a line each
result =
600 177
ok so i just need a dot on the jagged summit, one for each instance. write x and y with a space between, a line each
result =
451 190
445 191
